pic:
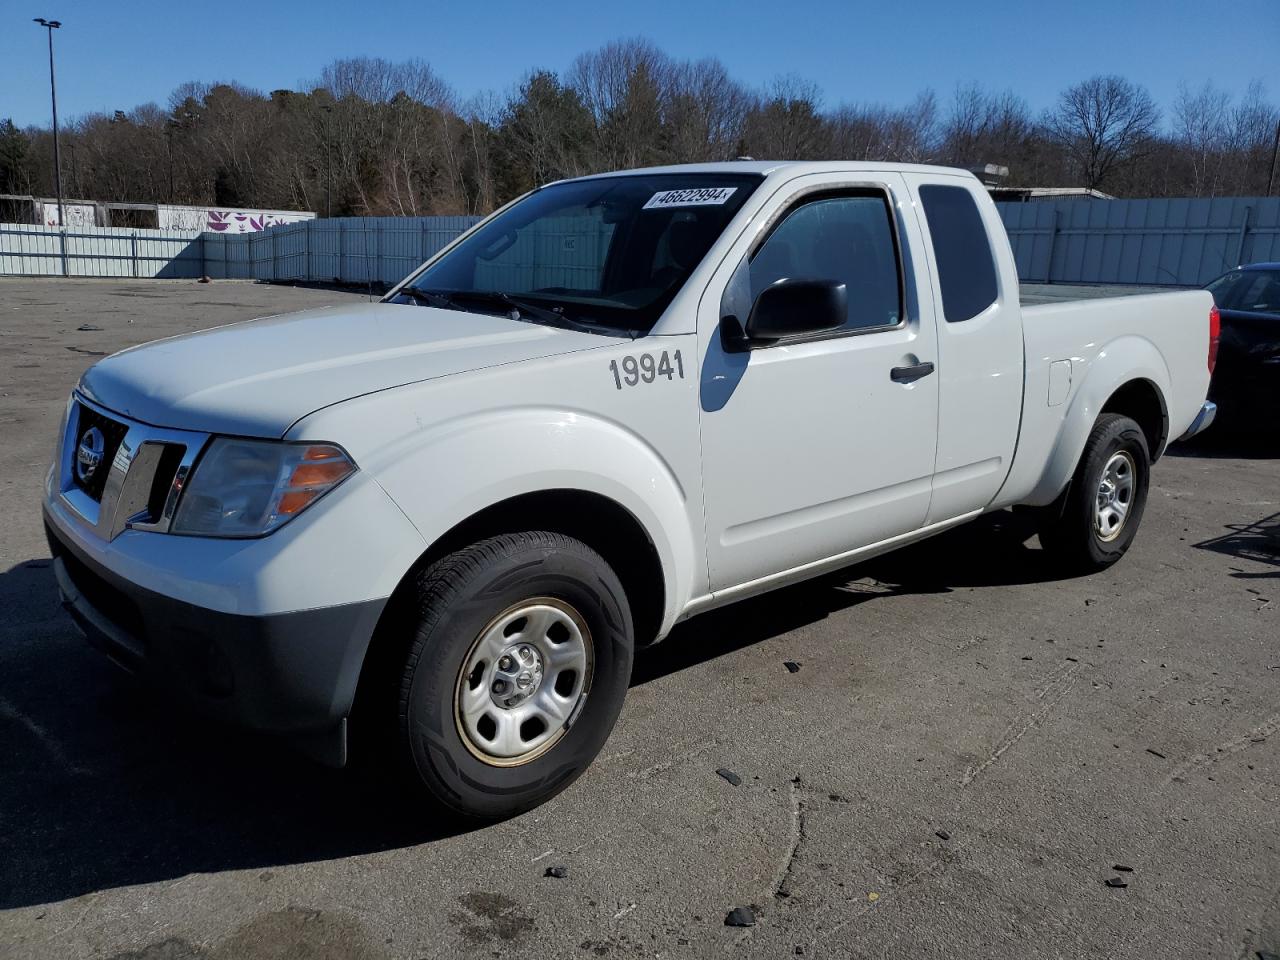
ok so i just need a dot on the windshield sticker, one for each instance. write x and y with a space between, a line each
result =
693 197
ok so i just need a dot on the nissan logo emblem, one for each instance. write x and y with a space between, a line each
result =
89 453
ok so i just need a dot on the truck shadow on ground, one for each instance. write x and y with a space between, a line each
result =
104 786
996 550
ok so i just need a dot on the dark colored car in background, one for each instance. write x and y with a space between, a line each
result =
1246 379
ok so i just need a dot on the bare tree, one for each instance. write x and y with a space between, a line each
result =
786 123
1102 124
622 85
705 112
1201 126
1251 132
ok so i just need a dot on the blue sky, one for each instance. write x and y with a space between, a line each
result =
116 55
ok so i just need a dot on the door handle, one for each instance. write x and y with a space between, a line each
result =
912 373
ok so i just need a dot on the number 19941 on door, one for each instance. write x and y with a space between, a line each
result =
633 370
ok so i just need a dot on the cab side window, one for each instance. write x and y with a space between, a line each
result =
962 250
844 238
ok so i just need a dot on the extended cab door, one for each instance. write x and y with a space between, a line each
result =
980 353
815 446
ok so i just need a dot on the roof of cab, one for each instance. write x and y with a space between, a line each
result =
794 167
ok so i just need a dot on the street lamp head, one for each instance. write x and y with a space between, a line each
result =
51 24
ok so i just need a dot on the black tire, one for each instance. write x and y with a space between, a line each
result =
457 597
1068 530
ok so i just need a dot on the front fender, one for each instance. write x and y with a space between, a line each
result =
508 453
1094 381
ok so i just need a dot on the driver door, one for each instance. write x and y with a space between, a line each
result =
814 446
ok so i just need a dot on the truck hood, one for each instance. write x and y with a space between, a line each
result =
259 377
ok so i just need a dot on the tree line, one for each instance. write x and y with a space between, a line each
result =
372 137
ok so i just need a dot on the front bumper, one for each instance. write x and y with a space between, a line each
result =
1204 419
285 673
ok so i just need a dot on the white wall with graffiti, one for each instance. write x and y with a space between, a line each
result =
225 219
77 213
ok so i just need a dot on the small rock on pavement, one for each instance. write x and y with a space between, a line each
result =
558 872
740 917
729 775
942 835
792 666
88 327
1116 882
1122 868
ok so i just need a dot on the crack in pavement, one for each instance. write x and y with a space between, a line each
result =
782 876
1052 693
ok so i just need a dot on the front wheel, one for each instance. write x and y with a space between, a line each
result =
518 665
1092 524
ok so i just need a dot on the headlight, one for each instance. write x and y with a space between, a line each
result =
245 488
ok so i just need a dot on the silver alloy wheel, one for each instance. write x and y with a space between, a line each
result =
523 682
1115 496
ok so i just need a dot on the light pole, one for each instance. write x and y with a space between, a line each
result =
52 25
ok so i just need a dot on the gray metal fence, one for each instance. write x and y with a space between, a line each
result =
1183 242
342 249
34 250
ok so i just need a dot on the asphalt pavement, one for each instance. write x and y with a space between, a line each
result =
969 750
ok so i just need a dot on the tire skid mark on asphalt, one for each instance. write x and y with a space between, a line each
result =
45 738
1050 694
1269 727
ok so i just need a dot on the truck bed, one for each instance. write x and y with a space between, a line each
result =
1097 346
1035 293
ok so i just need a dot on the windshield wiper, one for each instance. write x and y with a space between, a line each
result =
428 297
520 309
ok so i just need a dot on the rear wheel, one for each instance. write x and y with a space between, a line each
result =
518 665
1092 524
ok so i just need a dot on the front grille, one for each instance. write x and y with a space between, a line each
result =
113 433
139 474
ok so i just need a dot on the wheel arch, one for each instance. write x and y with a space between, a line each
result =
1143 402
599 521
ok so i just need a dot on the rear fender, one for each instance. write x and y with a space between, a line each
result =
1119 362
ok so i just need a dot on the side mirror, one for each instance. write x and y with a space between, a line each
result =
791 308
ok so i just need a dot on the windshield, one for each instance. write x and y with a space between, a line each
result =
1256 290
607 252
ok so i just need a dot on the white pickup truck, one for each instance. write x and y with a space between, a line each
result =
440 524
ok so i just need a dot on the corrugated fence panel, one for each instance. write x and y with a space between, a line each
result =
1177 242
346 250
35 250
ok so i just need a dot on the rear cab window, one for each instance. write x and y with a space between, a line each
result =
962 251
